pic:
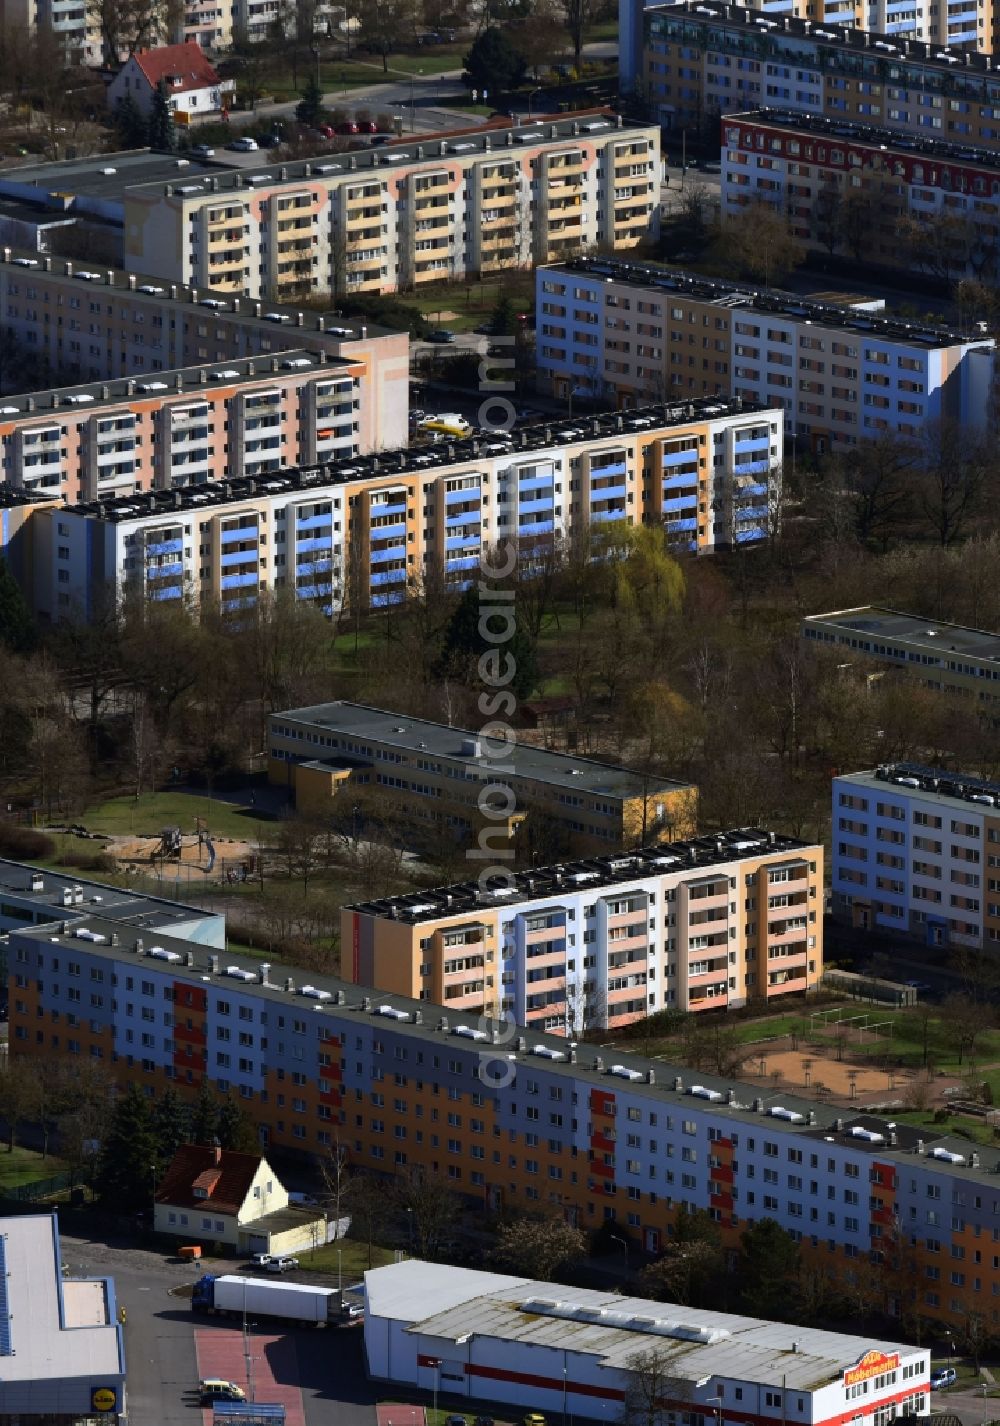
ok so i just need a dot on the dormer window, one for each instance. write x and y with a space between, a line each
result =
201 1192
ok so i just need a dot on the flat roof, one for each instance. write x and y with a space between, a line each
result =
12 495
282 320
106 175
116 176
46 888
460 745
847 41
934 784
47 1341
450 1303
188 381
587 873
873 136
408 461
929 635
605 1066
771 302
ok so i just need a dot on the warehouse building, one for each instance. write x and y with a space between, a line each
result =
704 924
569 1351
533 1120
622 330
913 853
62 1351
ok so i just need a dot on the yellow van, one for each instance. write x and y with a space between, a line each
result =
450 424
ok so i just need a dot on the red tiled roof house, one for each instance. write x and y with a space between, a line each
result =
217 1195
193 86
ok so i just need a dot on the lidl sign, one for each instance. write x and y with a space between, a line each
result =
103 1399
871 1364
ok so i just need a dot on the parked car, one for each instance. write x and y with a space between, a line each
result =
440 334
943 1376
367 126
244 144
455 1421
216 1389
347 127
202 151
325 131
485 329
380 139
282 1264
261 1260
483 1421
533 1418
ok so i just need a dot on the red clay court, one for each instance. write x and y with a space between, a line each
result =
219 1353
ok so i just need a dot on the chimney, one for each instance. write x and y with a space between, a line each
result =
216 1152
366 1002
599 1065
650 1076
131 282
678 1085
189 959
443 1023
521 1045
263 973
289 983
920 1146
213 965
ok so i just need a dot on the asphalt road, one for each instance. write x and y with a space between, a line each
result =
968 1405
159 1342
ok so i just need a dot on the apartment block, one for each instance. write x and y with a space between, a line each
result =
809 167
501 195
372 527
912 854
702 58
515 1117
948 658
437 773
706 924
101 326
103 441
626 331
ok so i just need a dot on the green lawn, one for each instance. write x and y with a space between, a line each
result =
149 814
354 1259
24 1166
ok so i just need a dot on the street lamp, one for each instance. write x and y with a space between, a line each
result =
564 1386
951 1347
413 120
531 96
467 1337
435 1362
718 1408
409 1224
340 1277
152 1170
617 1238
314 51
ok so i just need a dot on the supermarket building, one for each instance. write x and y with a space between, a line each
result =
572 1351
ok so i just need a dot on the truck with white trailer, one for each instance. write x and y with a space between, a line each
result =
291 1301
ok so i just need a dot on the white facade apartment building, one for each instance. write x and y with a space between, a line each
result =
102 325
704 924
395 217
620 329
380 523
916 851
194 426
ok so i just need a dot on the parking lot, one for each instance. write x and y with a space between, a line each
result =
318 1373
